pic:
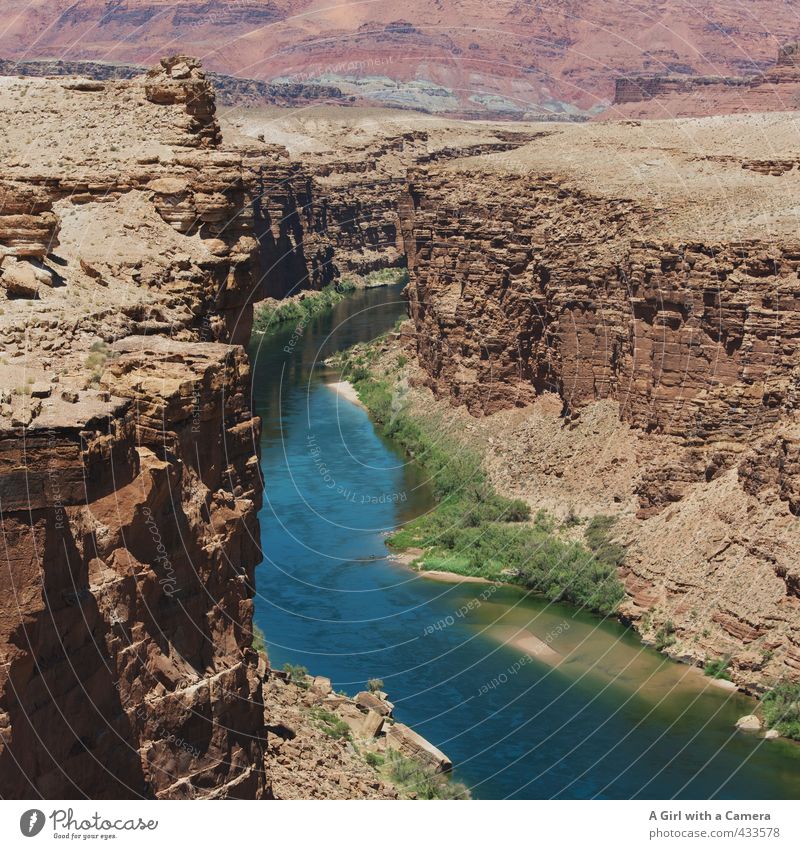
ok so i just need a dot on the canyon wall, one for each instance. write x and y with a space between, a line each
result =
229 91
515 59
327 207
312 232
559 271
775 89
129 464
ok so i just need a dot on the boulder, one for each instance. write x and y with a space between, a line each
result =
350 714
403 739
40 389
372 725
748 723
771 734
370 701
89 269
21 279
322 685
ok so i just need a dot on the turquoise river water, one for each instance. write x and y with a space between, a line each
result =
611 719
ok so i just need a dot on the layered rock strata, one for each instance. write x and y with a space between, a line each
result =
651 271
510 59
230 91
776 89
327 206
129 475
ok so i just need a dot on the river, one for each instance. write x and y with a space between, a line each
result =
612 720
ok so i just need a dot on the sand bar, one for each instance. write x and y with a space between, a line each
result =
345 389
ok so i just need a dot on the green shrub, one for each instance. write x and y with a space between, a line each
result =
269 317
572 519
387 276
259 640
414 777
544 522
781 707
358 373
718 668
297 674
330 724
374 759
375 685
597 536
99 355
665 636
97 359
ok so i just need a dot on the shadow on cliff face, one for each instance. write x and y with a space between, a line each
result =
285 267
63 718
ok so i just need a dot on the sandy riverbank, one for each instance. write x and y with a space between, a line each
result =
409 555
345 389
452 577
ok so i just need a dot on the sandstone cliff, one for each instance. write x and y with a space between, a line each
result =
776 89
329 182
129 475
514 58
653 269
230 91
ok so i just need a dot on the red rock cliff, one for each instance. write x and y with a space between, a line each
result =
612 264
776 89
469 58
129 473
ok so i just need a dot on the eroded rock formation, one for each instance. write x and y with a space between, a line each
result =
648 269
129 473
327 206
474 59
775 89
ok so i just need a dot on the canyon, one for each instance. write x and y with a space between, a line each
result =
331 193
510 59
596 282
134 241
609 310
619 304
131 242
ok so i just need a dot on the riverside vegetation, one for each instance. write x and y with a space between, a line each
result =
781 707
473 530
412 778
271 315
418 781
